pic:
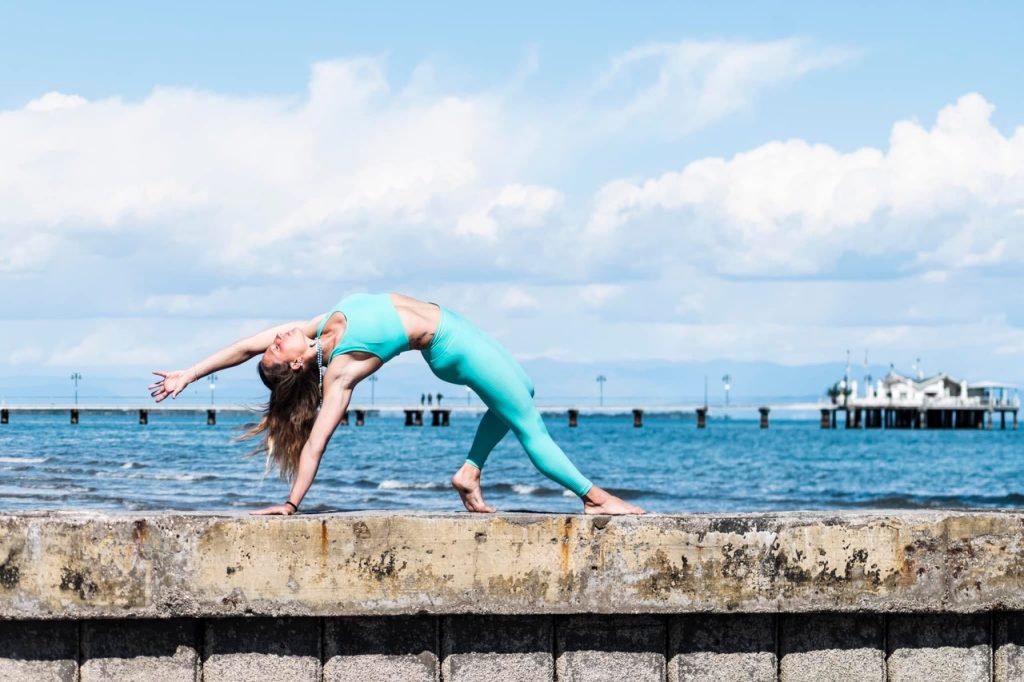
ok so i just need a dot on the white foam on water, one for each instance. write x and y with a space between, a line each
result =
23 460
391 484
525 489
568 493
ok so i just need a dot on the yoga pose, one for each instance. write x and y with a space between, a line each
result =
312 367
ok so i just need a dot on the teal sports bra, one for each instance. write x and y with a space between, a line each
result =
373 326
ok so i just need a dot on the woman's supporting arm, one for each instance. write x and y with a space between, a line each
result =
342 376
334 407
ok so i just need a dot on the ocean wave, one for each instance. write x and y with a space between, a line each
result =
23 460
391 484
188 478
911 501
132 465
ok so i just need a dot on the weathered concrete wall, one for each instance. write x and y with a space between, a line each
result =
87 565
458 597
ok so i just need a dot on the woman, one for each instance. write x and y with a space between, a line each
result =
354 340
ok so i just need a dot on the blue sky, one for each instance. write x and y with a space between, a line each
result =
676 182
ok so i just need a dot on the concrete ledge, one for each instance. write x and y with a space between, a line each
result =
79 565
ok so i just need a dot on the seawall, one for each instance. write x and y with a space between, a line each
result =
421 596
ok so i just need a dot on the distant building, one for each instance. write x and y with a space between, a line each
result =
940 401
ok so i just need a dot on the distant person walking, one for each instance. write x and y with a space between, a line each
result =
430 399
312 367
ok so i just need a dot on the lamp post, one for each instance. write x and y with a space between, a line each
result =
213 385
76 377
600 385
727 383
373 388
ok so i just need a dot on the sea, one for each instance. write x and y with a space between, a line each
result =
177 462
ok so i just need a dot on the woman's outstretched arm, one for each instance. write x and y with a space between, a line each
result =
171 383
342 377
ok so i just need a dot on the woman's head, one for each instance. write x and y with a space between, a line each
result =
292 348
289 369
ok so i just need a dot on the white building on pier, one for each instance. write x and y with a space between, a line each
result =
939 401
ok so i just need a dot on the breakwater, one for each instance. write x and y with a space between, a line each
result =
791 596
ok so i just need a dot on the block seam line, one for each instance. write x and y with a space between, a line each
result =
321 650
80 654
777 635
885 647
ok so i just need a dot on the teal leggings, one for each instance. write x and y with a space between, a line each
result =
462 354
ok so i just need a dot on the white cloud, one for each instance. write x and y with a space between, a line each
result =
353 172
678 88
355 178
517 300
114 344
944 197
53 101
597 295
512 207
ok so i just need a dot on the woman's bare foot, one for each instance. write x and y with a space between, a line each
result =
467 482
599 501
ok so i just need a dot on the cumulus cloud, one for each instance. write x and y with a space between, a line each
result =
948 196
354 171
356 178
514 206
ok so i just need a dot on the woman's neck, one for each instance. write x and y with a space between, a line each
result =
328 341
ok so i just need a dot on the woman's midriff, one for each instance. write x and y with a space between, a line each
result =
419 319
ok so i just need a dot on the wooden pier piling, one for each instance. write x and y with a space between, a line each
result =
211 417
74 416
702 417
143 417
440 417
574 416
344 418
638 418
764 416
360 417
5 417
826 418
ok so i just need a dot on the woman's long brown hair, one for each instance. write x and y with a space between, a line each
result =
288 416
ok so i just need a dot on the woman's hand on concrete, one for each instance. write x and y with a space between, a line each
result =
283 509
169 384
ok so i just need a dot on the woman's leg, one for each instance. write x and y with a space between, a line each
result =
474 359
488 434
465 355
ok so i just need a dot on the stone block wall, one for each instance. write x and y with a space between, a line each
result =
469 648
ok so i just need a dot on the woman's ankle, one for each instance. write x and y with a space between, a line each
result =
596 495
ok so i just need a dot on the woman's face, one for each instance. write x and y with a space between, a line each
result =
287 347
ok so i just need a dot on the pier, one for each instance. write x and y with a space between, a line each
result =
938 402
511 596
913 417
413 414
